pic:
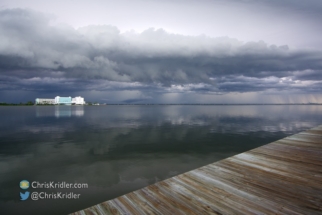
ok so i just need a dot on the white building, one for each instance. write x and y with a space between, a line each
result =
61 101
78 100
42 101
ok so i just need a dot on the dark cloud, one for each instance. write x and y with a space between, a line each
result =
37 55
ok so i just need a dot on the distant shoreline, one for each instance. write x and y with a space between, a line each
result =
224 104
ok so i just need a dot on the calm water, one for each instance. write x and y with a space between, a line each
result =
118 149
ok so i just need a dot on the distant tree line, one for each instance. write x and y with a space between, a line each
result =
17 104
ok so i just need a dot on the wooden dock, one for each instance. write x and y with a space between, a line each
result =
283 177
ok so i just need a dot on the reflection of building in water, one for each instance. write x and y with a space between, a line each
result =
61 101
60 111
78 111
44 111
68 111
63 111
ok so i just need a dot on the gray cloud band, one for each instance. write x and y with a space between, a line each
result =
34 53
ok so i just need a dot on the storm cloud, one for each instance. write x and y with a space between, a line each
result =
38 54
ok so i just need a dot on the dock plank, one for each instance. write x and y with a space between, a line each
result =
283 177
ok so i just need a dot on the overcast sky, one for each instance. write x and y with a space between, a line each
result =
148 51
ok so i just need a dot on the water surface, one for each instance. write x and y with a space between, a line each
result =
118 149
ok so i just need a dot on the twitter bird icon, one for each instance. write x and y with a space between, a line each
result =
24 196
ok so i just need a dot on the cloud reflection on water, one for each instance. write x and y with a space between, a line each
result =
117 149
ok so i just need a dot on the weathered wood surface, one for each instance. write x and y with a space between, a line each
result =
283 177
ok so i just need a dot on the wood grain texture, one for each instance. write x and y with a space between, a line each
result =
283 177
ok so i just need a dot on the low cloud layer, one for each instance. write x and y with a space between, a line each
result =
36 55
